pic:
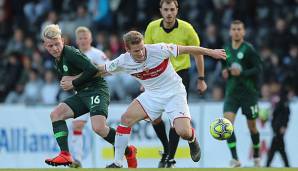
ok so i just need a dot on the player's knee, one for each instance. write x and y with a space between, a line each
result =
184 133
156 121
125 120
56 115
100 129
253 130
78 125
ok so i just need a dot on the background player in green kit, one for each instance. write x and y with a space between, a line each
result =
91 96
241 69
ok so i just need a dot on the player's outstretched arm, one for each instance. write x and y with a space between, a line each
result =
195 50
102 71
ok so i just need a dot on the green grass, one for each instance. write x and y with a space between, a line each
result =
154 169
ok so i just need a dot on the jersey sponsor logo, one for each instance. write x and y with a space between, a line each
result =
23 140
152 73
65 68
240 55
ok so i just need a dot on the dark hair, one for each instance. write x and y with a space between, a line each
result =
236 22
168 2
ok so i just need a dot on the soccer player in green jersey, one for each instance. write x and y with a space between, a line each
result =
91 96
241 69
169 29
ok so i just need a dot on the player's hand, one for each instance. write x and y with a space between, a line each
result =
235 71
69 78
225 74
201 86
142 88
66 85
218 54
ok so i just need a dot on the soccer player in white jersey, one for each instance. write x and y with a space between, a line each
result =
164 91
96 56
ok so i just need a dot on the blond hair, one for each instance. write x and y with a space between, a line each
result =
82 29
132 38
51 31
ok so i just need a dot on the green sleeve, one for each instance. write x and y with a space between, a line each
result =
148 35
224 63
256 62
82 62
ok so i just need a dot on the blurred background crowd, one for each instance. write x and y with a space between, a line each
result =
27 72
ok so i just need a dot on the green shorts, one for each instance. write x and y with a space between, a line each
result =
248 105
92 100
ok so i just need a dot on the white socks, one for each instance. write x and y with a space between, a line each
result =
77 145
121 142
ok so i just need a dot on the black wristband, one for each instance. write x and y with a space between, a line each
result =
201 78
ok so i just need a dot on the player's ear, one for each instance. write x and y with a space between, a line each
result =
44 44
230 29
126 47
77 41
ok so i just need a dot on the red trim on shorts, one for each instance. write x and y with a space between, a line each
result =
123 130
144 110
77 132
181 117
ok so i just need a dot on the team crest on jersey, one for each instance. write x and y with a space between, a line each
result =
113 66
240 55
146 69
170 47
65 68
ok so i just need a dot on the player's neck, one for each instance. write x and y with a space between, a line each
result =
85 49
167 25
237 44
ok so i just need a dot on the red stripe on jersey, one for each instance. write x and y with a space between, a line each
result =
123 130
152 73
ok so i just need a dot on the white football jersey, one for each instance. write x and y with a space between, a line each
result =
156 73
96 56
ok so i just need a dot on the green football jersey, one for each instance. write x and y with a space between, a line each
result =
72 62
247 59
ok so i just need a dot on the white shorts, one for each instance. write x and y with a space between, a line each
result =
174 106
83 117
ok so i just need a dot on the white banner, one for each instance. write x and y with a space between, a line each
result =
26 139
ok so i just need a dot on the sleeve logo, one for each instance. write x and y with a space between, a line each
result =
113 66
65 68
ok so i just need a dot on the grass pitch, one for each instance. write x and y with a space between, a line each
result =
155 169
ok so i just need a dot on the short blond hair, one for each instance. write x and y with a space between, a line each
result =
132 38
51 31
82 29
